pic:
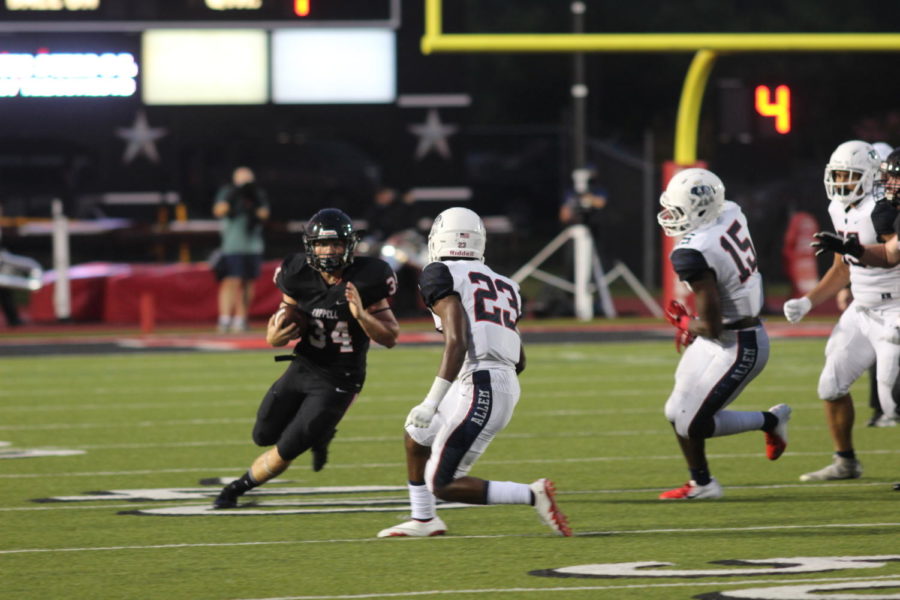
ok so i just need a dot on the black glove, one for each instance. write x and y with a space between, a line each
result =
832 242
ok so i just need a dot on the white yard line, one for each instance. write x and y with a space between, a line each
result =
886 579
443 539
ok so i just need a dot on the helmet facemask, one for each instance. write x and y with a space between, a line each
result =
887 182
693 198
329 225
850 173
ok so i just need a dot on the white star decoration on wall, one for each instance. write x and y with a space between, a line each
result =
141 139
432 134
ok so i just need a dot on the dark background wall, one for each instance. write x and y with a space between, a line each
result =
513 148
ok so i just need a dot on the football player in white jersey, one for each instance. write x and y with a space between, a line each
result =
476 389
727 345
865 332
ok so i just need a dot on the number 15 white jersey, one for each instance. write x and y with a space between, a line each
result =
493 306
725 247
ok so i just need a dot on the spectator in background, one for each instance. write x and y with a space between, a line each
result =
243 208
584 201
582 205
388 214
391 233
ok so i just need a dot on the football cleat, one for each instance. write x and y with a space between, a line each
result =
841 468
544 494
776 440
320 450
884 421
228 497
319 457
414 528
692 491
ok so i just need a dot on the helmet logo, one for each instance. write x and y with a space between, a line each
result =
705 194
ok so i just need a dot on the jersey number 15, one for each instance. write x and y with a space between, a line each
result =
741 251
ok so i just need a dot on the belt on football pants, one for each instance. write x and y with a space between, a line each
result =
745 323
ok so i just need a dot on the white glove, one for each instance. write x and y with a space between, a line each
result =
796 308
421 415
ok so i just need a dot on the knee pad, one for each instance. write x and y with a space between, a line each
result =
828 389
678 417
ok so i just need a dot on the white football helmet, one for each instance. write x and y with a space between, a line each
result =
693 198
883 149
457 233
859 160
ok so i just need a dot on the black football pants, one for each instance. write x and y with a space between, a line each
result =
301 409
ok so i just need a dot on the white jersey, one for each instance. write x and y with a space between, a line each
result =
870 285
493 306
725 247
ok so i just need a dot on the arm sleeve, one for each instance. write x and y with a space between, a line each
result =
435 283
689 264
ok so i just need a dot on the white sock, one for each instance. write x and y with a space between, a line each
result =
508 492
729 422
421 501
224 321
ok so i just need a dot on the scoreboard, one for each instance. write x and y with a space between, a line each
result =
137 15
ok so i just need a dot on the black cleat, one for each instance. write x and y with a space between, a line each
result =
897 487
320 451
319 457
227 497
874 419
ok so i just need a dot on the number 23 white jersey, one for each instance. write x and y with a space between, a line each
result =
725 247
492 303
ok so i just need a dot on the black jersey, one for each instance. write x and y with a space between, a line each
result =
335 343
883 216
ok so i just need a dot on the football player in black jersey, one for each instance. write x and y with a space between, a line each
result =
346 301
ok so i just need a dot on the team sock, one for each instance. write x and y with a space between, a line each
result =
701 476
848 454
421 501
770 422
244 483
508 492
730 422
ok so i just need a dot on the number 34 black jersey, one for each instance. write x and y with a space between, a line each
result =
492 303
335 343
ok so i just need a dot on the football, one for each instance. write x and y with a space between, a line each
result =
291 313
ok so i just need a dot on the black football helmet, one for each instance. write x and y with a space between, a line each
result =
329 224
887 181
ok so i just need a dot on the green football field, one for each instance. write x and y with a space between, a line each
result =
109 465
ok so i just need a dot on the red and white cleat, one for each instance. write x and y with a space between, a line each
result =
545 504
692 491
776 441
415 528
